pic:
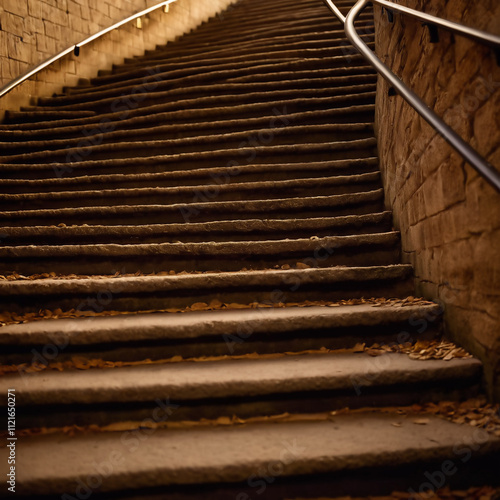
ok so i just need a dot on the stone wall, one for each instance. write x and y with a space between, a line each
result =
31 31
448 215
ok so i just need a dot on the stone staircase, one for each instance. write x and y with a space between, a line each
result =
202 230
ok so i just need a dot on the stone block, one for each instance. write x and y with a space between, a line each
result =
13 24
17 7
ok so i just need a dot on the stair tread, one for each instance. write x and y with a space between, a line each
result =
235 453
192 325
207 249
380 221
144 284
234 378
148 112
128 193
183 210
207 142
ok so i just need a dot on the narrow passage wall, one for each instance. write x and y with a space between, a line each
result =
448 215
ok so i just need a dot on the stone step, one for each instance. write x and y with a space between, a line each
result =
229 332
191 165
213 88
261 72
224 95
282 460
153 127
241 67
360 250
201 211
232 230
245 287
259 28
183 48
243 387
176 112
322 186
130 146
138 129
256 57
198 176
339 46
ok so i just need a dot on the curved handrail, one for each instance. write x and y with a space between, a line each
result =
459 29
485 168
76 48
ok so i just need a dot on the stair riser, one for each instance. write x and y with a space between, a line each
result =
261 73
245 67
235 343
244 158
237 30
117 238
223 51
378 223
269 483
189 214
327 38
110 149
359 256
229 159
201 193
124 132
181 299
248 407
249 110
218 179
207 99
222 89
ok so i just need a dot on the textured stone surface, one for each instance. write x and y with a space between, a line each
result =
349 442
448 216
235 378
213 323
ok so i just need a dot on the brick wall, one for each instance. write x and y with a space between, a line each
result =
31 31
448 215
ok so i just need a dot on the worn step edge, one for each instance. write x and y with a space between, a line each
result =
192 325
216 155
119 128
147 284
244 66
229 87
239 52
230 378
222 174
145 113
267 227
260 72
176 97
274 188
65 148
234 454
204 249
183 50
187 210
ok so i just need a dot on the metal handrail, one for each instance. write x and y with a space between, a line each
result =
76 48
482 166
